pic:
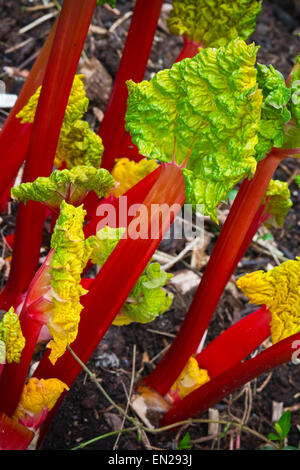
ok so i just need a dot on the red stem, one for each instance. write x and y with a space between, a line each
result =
72 28
132 66
13 436
232 379
31 320
189 49
218 271
235 343
120 273
13 129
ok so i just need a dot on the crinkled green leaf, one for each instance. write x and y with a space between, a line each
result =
103 243
148 299
112 3
274 113
292 129
205 110
77 144
70 185
12 337
295 92
214 22
297 179
278 202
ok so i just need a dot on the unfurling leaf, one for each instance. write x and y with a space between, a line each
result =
148 298
77 144
203 113
279 290
191 378
214 22
69 185
12 337
274 112
37 399
278 202
103 243
128 173
68 261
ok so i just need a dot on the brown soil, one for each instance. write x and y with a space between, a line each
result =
85 413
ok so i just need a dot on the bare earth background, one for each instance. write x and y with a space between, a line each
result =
127 353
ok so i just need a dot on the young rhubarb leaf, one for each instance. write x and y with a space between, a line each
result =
279 290
78 144
274 112
127 173
37 399
148 298
191 378
12 337
292 128
69 185
67 263
203 113
213 22
278 202
103 243
295 92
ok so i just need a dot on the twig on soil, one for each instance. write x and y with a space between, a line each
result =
40 7
139 426
129 394
265 383
18 46
119 21
181 255
37 22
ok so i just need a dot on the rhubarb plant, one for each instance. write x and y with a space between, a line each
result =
210 122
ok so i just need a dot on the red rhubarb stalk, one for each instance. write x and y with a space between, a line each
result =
132 66
218 271
72 28
214 391
235 343
189 49
13 129
32 319
13 436
126 264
